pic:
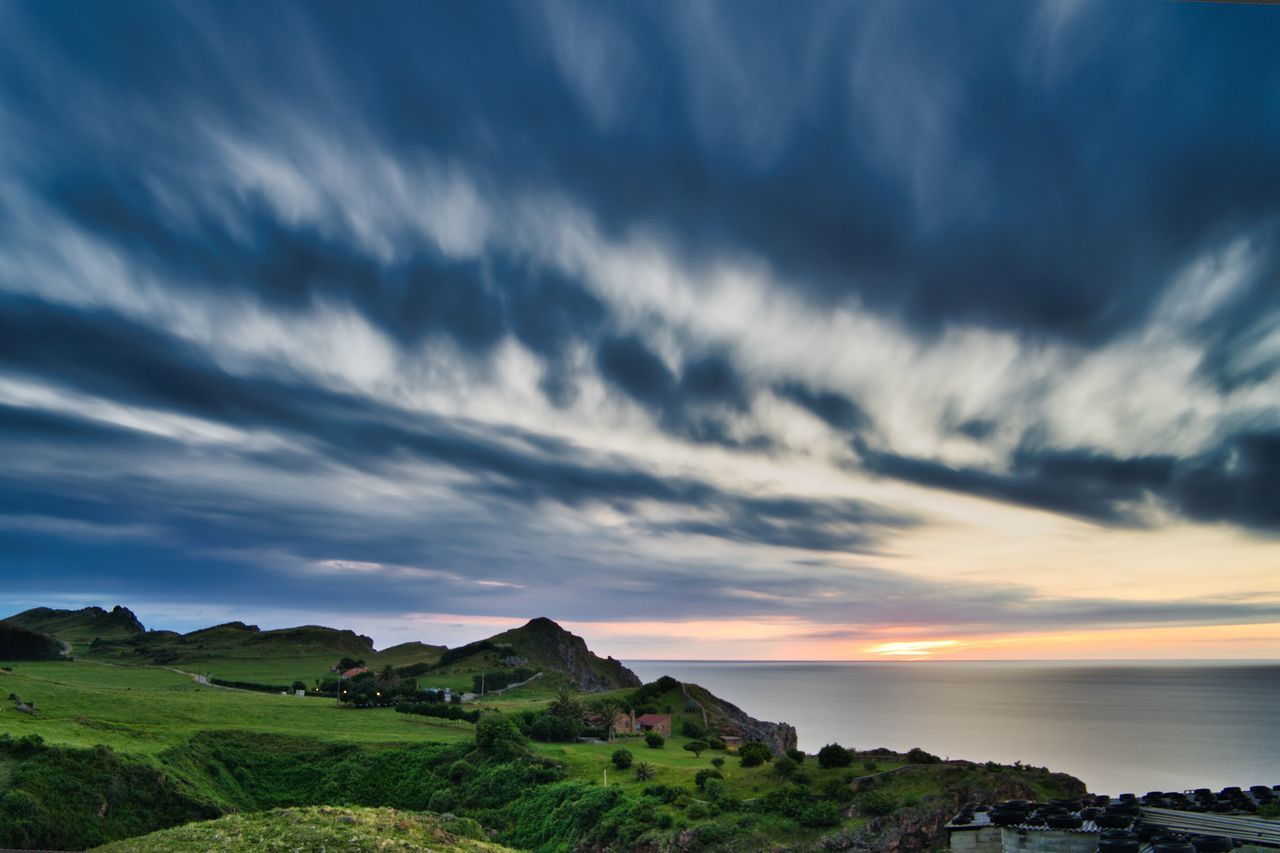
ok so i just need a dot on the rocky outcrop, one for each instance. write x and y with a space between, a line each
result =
921 828
726 718
551 648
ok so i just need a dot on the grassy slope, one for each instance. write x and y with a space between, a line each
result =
144 710
316 829
238 652
78 627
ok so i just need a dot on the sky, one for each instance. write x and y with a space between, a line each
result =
877 330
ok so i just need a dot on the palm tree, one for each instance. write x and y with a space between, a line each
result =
565 705
644 771
608 709
387 678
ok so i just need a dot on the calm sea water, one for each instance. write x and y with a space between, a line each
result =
1119 726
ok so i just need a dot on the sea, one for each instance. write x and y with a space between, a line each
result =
1120 726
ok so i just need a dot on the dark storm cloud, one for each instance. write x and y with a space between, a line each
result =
836 410
1046 206
106 356
1026 167
1232 482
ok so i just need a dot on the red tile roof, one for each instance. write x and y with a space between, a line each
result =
653 719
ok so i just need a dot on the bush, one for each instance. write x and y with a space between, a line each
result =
299 685
644 771
795 755
621 758
715 742
876 803
785 766
717 762
697 747
869 766
714 789
703 776
819 814
834 755
836 791
697 811
692 729
499 736
753 754
919 756
653 740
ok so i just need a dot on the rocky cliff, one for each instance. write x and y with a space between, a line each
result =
551 648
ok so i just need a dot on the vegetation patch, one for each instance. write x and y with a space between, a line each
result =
317 829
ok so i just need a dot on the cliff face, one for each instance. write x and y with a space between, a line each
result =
729 719
551 648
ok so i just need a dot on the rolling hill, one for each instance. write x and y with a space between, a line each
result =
80 627
239 652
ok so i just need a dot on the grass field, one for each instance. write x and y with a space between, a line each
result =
144 710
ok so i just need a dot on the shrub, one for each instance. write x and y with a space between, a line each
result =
697 747
644 771
703 776
795 755
443 800
918 756
299 685
876 803
869 766
697 811
714 789
621 758
785 766
800 777
715 742
753 754
836 791
653 740
692 729
717 762
834 755
819 814
500 737
460 771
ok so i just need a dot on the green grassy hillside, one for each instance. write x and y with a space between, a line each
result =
318 829
80 627
121 747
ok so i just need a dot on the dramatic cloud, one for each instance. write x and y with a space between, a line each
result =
840 314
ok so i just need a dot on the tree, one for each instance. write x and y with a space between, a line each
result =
644 771
608 709
717 762
795 755
697 747
386 680
565 705
700 778
753 754
691 729
918 756
834 755
500 737
300 685
621 758
653 740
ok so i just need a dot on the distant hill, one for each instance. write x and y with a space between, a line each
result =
19 643
243 652
549 647
80 627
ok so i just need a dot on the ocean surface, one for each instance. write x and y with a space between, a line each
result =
1119 726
